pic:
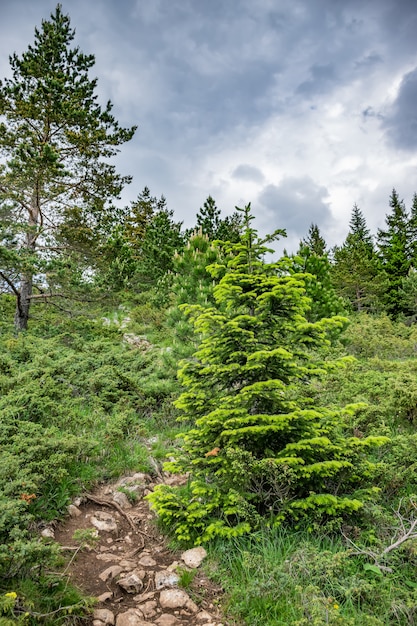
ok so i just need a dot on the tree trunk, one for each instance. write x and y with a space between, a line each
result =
21 316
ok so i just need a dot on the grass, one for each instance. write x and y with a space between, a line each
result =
282 577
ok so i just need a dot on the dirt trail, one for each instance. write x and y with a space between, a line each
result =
116 554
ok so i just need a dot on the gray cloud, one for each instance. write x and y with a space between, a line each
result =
248 172
401 122
294 204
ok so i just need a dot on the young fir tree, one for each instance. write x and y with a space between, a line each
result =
56 183
396 249
258 447
356 271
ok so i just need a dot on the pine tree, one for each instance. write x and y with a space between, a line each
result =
258 446
56 184
314 241
312 259
356 273
211 224
395 245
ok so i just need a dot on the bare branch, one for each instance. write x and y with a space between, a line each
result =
9 282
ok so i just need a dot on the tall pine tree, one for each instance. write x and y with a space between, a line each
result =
356 271
396 249
57 183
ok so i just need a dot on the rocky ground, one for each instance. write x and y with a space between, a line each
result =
117 555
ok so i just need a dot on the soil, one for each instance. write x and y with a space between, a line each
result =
133 545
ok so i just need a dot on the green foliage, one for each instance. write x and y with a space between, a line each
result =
210 223
324 301
57 182
280 577
259 446
356 271
396 247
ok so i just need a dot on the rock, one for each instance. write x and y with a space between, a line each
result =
122 500
166 579
73 510
131 583
166 619
148 609
110 573
177 599
48 533
147 561
104 521
106 616
98 622
127 565
132 617
194 557
143 597
107 595
107 556
78 501
173 567
203 616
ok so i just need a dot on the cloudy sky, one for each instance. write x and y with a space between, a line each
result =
301 107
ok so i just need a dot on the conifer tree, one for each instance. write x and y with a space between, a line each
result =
314 241
396 248
313 260
356 272
56 183
258 446
211 224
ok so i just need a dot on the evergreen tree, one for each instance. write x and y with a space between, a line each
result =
56 183
313 260
314 241
258 445
356 273
396 248
162 239
211 224
191 283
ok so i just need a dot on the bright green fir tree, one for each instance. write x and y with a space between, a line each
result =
258 447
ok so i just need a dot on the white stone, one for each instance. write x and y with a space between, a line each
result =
107 595
148 608
127 565
132 617
166 619
104 615
122 500
107 556
166 579
147 561
74 511
143 597
131 583
194 557
104 521
48 533
203 616
110 573
176 599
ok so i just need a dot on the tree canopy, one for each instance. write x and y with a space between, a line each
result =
57 183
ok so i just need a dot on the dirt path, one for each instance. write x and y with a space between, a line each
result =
116 554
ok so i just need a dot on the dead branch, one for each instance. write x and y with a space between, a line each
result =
401 536
113 504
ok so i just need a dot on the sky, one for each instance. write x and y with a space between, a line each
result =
300 107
